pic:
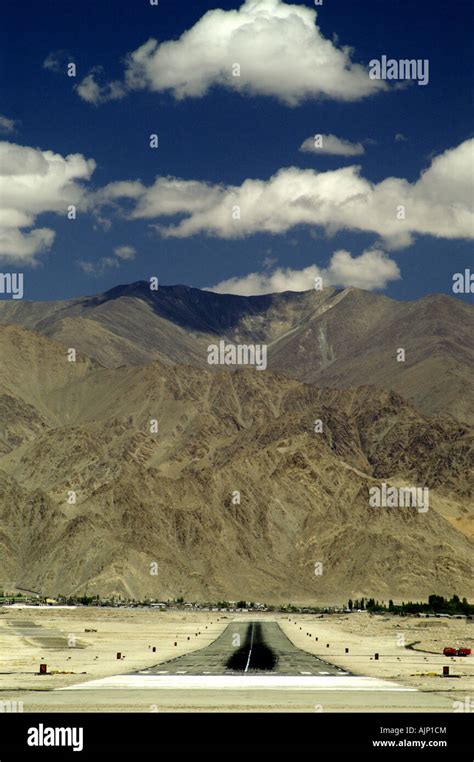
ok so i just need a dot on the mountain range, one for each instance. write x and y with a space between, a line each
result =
331 337
140 453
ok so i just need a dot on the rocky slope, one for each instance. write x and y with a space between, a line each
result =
171 497
330 337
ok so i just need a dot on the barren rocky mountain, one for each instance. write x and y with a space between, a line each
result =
236 495
331 337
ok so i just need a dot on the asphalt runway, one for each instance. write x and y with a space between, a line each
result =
251 666
249 648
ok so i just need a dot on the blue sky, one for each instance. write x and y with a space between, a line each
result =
222 138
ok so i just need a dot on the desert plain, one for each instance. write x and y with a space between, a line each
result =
80 645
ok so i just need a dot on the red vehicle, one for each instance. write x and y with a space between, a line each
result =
456 651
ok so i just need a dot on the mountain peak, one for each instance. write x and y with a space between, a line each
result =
334 337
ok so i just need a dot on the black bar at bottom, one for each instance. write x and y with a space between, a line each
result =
95 736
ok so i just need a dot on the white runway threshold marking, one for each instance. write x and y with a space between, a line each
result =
237 682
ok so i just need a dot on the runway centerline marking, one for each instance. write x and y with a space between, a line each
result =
250 651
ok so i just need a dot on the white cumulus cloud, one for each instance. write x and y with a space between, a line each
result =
371 270
331 144
32 182
92 90
99 267
437 204
125 252
266 47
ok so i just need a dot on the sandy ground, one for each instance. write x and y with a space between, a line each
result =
58 637
132 632
366 635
